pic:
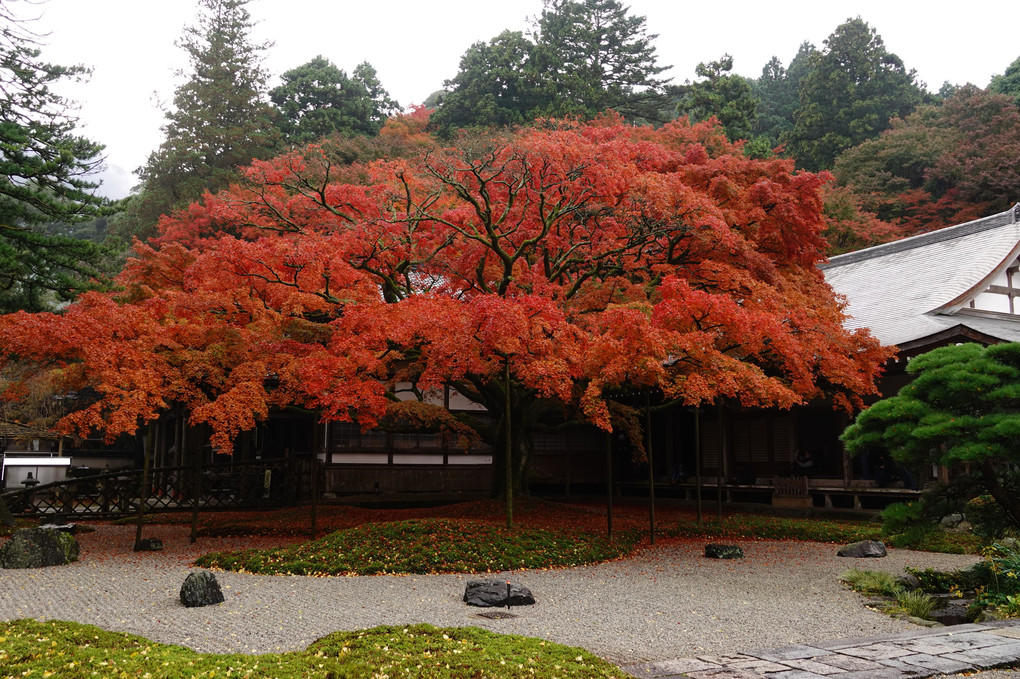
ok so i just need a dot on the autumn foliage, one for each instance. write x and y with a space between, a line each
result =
585 257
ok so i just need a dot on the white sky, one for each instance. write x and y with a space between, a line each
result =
416 45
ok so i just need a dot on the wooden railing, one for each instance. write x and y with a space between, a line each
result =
260 483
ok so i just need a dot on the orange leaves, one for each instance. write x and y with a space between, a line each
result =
588 256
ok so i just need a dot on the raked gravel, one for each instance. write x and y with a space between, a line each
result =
664 602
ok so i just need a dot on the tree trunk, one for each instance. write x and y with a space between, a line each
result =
1006 500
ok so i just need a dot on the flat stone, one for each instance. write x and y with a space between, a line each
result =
935 663
987 656
796 651
1013 632
724 673
759 666
493 593
813 666
795 674
668 668
717 551
726 659
863 550
877 651
849 663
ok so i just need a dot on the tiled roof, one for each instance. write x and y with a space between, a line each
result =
913 288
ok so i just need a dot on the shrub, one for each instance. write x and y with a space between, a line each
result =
918 604
872 582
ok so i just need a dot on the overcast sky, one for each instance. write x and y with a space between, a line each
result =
416 45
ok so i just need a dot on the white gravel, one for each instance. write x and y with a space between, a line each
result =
666 602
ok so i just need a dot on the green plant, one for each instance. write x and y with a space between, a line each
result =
1009 607
74 651
898 517
427 546
872 582
763 527
917 604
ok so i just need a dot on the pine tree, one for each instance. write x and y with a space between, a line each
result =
220 118
44 178
852 90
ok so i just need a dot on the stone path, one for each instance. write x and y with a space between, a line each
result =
924 653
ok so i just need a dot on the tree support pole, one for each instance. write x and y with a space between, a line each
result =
145 485
651 467
721 466
609 486
697 457
509 450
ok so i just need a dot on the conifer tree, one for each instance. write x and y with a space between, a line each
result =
44 178
220 120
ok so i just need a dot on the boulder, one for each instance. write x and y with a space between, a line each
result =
908 581
951 520
149 545
38 548
488 593
201 589
863 549
715 551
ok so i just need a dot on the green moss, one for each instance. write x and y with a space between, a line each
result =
778 528
426 546
73 651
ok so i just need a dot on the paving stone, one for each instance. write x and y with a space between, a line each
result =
813 666
970 640
884 673
848 663
759 666
988 656
904 669
931 647
936 663
790 653
724 673
876 651
666 668
1013 632
726 659
795 674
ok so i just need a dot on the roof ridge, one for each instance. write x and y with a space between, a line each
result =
1010 216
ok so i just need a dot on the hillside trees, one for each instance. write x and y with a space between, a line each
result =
942 165
1008 83
595 56
44 178
496 86
851 91
585 56
318 99
219 121
776 91
533 272
960 408
719 93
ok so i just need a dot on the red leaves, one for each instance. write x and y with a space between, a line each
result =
588 256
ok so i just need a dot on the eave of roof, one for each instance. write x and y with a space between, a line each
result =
915 288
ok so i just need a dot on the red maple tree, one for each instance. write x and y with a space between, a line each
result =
575 258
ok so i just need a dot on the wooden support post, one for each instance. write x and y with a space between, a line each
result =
651 468
609 486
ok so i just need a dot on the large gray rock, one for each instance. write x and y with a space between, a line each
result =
863 549
38 548
716 551
201 589
490 593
